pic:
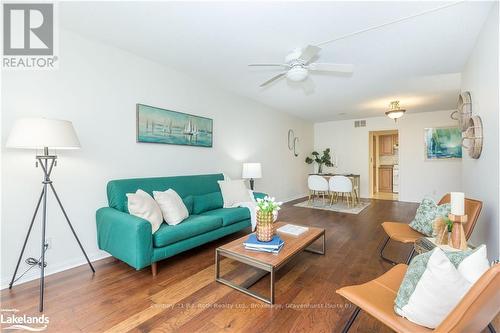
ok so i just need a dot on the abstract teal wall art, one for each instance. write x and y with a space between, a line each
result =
443 143
155 125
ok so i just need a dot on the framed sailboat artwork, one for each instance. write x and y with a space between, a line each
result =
155 125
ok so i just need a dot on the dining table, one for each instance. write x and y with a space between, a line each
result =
355 179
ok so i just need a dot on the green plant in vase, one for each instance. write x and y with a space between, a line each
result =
325 159
442 228
267 209
449 223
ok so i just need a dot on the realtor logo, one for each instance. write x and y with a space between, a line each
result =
23 322
28 36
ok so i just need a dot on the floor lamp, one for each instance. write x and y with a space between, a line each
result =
44 134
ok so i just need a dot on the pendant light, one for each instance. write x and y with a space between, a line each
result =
395 111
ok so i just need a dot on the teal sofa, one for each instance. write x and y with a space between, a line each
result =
129 238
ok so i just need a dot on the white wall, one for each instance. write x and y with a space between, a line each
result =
480 177
418 177
97 87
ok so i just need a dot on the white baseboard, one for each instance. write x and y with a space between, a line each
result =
295 197
34 273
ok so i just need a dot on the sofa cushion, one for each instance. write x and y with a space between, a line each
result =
206 202
259 195
229 215
183 185
192 226
189 201
436 281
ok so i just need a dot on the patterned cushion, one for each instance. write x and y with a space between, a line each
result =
417 268
427 212
413 274
439 278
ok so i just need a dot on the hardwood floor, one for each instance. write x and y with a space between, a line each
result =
184 297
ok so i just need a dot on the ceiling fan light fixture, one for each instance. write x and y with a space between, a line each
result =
298 64
296 73
395 111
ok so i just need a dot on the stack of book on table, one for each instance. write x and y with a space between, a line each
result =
273 246
292 229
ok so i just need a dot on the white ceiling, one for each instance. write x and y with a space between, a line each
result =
417 61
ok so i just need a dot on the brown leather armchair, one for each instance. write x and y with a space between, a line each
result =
476 310
402 232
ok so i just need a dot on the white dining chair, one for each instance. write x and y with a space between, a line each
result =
340 185
318 185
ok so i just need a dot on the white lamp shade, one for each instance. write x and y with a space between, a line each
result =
251 170
38 133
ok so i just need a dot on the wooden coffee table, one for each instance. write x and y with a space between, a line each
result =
267 262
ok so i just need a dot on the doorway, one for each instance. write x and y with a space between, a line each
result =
384 164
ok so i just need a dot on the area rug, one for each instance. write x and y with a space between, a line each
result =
340 207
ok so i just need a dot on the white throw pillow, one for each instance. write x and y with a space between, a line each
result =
172 207
437 292
474 265
234 192
142 205
252 197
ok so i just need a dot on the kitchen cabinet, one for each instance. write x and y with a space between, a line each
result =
385 179
386 145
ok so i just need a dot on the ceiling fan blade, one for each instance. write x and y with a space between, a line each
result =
341 68
274 78
309 52
268 65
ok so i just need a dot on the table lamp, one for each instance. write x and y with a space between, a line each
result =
458 217
44 134
251 171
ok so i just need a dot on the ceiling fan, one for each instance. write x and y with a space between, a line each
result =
298 64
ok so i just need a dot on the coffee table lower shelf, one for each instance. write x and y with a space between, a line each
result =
264 267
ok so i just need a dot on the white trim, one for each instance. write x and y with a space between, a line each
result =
53 269
295 197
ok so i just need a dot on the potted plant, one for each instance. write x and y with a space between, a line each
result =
267 212
442 229
326 159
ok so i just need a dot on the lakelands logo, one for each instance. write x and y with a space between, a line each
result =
29 36
14 321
